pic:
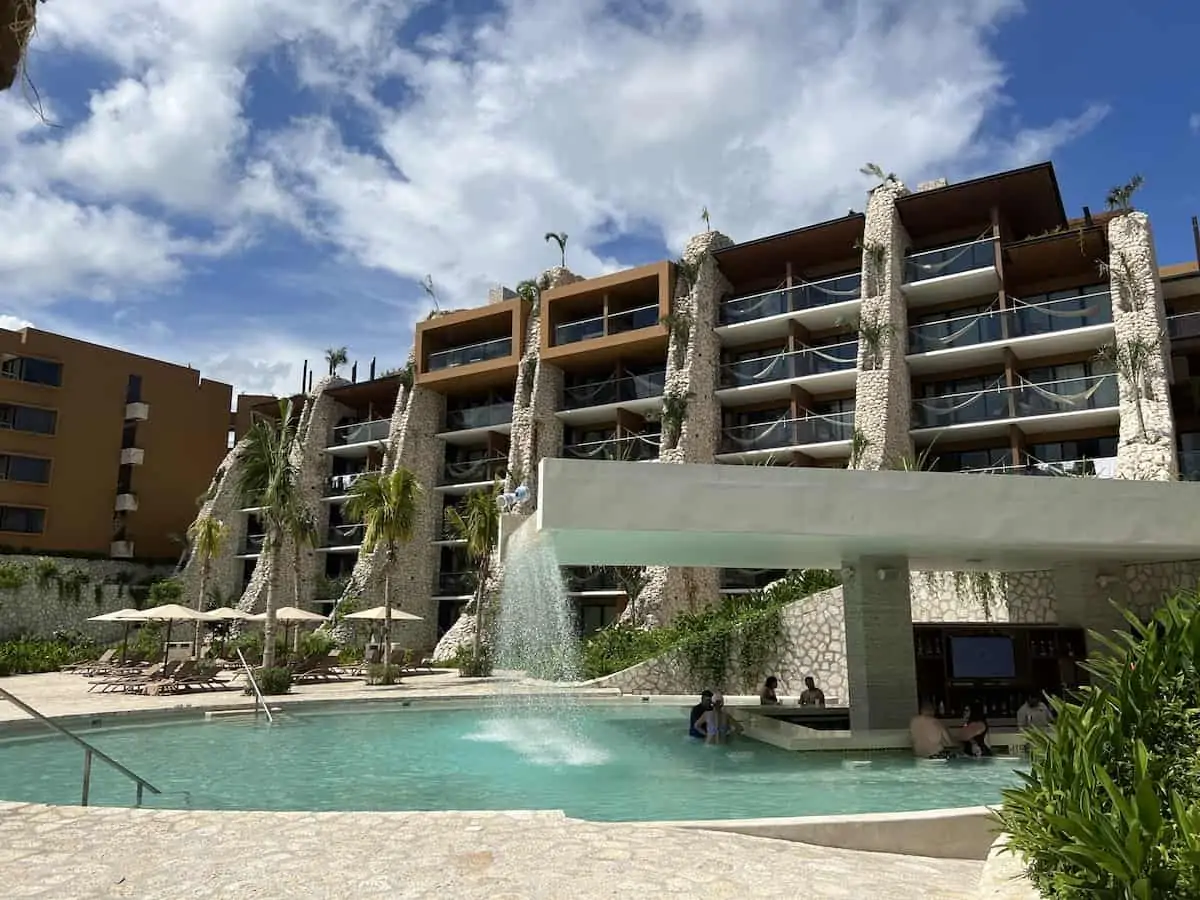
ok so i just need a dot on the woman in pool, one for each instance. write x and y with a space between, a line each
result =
974 733
768 697
716 724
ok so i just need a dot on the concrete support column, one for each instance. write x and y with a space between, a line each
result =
1084 595
880 660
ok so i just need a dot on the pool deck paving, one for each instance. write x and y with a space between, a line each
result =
72 852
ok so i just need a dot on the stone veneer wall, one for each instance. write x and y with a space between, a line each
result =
693 370
1021 597
313 431
36 610
883 391
224 504
1146 448
812 641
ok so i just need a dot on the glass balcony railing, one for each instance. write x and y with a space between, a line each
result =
339 485
636 448
1021 401
253 544
362 432
1025 320
1189 465
839 289
952 260
1098 467
784 365
455 584
599 326
473 471
479 416
749 579
344 535
472 353
581 579
784 432
1182 326
615 390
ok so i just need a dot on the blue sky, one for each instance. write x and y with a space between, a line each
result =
238 184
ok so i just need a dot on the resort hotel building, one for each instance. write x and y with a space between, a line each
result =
973 327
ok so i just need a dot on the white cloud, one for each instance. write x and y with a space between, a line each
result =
14 323
543 116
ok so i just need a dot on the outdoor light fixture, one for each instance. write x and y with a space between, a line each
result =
521 493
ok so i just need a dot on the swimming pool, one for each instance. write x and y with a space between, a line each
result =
602 762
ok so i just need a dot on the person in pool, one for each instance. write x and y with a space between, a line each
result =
698 711
974 733
769 695
716 724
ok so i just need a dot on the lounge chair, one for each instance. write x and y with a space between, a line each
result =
323 668
100 662
132 683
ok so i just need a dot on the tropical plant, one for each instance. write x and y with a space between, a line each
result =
207 536
872 170
705 219
388 505
686 271
476 521
874 332
165 592
859 442
269 480
1120 198
874 266
431 293
1121 274
1132 358
336 357
674 412
529 291
13 576
45 572
560 238
272 680
1110 807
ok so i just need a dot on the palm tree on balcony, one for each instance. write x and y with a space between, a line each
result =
388 506
477 523
270 481
336 357
207 536
560 238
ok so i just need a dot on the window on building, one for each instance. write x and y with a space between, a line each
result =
124 479
32 469
594 616
32 370
129 435
133 389
22 519
28 418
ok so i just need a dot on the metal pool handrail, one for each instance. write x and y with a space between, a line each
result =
88 752
254 684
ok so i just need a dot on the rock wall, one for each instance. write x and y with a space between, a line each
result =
883 391
317 418
1146 448
224 504
812 641
1025 597
693 372
38 606
1148 584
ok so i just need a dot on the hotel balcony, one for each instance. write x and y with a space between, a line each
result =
816 436
468 424
585 580
472 349
337 487
462 477
825 368
1038 408
947 273
121 549
598 320
816 305
359 438
743 581
1183 326
1002 464
1189 465
591 402
455 584
132 456
1033 329
343 538
137 412
635 448
252 546
126 502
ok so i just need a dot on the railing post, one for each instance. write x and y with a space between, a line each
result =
87 776
140 790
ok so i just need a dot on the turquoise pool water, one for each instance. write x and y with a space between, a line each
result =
606 763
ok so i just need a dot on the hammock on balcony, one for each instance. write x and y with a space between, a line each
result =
646 385
760 435
816 285
762 299
946 263
829 357
951 338
933 405
1066 400
1058 313
588 392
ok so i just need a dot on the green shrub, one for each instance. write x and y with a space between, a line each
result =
1111 805
472 666
13 576
26 656
316 643
277 680
620 646
378 673
163 592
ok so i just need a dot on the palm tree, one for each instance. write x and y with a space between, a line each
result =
270 481
477 523
388 505
704 217
207 536
336 357
427 287
1120 198
560 238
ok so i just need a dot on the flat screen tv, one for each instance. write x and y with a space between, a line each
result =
982 657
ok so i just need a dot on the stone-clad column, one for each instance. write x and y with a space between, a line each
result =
223 502
1091 597
693 369
880 658
1146 449
883 392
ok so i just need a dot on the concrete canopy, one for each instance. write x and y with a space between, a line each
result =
637 513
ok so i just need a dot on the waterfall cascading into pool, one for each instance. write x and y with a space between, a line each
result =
535 631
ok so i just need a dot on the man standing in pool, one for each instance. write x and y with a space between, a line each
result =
698 711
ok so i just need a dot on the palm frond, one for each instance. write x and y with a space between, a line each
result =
387 504
477 522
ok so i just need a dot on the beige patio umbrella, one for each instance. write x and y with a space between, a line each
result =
126 617
379 614
292 615
227 613
170 613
